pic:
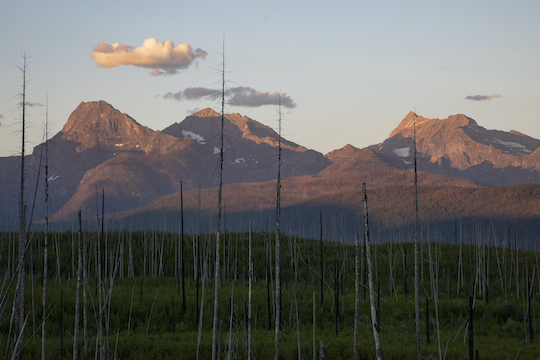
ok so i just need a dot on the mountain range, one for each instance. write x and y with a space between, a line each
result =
141 171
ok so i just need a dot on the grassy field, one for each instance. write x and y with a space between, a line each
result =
144 316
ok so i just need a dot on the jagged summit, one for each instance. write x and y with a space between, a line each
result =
208 112
96 114
97 124
406 126
204 125
458 146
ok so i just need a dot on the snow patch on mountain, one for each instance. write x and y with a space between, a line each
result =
513 146
239 161
402 152
198 138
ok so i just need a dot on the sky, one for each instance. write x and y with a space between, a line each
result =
348 71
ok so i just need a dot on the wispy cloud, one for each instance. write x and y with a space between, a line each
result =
164 58
193 93
482 97
30 104
247 96
238 96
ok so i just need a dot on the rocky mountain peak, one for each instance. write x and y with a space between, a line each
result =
406 126
458 146
407 123
208 112
97 124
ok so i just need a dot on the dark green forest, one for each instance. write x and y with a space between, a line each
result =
151 311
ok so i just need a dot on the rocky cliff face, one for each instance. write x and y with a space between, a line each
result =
97 125
100 148
250 147
458 146
103 149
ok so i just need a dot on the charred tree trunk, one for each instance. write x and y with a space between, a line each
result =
356 298
78 292
250 293
321 261
278 253
416 273
374 324
218 233
182 248
19 303
46 241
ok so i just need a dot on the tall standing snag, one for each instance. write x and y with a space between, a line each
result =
46 241
416 275
250 293
182 247
278 255
370 279
19 303
218 233
321 263
356 298
78 292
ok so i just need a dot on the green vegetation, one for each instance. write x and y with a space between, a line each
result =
145 320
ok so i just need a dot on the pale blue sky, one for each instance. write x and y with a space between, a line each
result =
354 68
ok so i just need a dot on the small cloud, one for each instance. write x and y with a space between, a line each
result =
249 97
482 97
30 104
164 58
193 93
238 96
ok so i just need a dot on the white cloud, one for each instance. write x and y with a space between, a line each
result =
164 58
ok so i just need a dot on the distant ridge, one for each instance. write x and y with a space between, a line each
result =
458 146
103 149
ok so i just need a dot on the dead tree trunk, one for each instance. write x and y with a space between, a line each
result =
46 241
218 233
100 343
336 292
416 274
182 247
321 261
78 293
278 254
19 307
314 326
85 307
471 339
250 294
370 279
356 298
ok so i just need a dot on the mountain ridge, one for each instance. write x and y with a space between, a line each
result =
458 146
101 148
